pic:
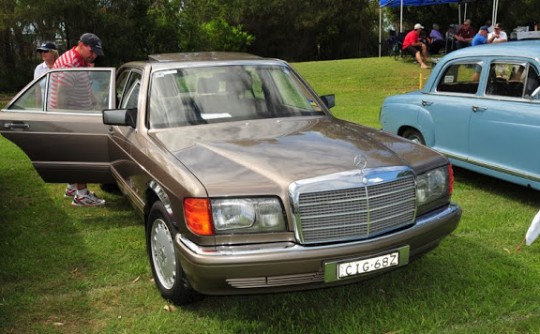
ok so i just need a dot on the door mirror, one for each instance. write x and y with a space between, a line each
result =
123 117
329 100
535 94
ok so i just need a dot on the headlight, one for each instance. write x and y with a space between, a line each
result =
247 215
433 185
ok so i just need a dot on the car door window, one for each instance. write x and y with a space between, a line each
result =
506 79
121 82
79 90
132 97
32 99
128 89
461 78
511 79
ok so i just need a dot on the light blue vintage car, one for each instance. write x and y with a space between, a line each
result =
481 108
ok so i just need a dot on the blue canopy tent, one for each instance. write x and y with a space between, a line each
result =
403 3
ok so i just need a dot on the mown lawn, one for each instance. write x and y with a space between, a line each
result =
84 270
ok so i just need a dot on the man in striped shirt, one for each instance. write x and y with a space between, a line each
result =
73 91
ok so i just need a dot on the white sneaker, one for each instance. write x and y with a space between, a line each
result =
70 192
89 199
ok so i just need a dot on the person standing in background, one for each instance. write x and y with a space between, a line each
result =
49 54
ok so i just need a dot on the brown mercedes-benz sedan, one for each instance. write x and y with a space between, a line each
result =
245 181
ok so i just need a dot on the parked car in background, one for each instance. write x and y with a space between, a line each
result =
481 108
245 181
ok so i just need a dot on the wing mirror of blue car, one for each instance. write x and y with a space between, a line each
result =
536 94
329 100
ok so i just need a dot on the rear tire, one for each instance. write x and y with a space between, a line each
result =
414 136
169 276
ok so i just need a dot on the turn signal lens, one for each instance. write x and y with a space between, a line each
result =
198 216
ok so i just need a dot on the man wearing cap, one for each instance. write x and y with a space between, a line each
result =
413 46
49 54
498 35
481 37
73 90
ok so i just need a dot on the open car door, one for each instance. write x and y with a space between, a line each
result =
57 121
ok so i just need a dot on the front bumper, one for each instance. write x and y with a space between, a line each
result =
288 266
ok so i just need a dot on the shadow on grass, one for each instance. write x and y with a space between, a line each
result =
48 262
495 186
472 289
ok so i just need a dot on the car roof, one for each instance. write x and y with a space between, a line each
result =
201 56
187 59
527 48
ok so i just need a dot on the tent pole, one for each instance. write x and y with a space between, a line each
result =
495 10
380 31
401 17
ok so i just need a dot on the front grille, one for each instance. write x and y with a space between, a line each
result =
370 204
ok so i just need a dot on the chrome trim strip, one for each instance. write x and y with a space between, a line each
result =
494 167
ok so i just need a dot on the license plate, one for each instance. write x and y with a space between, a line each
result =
353 268
336 270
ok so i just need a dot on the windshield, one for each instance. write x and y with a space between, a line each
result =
201 95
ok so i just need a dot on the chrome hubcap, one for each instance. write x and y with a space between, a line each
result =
163 253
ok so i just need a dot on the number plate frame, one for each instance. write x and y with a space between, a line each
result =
354 267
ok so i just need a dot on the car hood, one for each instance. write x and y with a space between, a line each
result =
273 153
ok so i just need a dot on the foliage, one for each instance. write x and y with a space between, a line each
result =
299 30
84 270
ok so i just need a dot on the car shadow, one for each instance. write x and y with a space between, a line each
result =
470 179
48 254
435 288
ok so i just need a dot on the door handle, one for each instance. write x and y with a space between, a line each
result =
16 125
478 108
426 103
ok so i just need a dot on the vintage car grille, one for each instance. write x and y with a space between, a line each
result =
359 207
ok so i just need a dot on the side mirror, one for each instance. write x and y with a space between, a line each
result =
125 117
329 100
535 94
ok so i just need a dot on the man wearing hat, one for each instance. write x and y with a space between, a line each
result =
49 54
73 90
413 46
498 35
481 37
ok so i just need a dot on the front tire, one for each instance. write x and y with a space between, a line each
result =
170 279
414 136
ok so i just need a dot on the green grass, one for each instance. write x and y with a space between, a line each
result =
84 270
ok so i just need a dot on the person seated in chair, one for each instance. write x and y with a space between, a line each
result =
413 46
437 40
465 35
